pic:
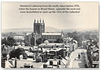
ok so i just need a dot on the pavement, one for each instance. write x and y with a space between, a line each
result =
74 61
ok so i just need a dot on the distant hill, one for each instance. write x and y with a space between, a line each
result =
51 29
47 29
17 30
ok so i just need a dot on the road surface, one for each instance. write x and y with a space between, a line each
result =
74 61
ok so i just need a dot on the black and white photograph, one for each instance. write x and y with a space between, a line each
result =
53 35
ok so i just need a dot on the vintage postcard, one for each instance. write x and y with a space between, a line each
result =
50 35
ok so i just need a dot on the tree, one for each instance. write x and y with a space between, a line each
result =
59 40
4 41
79 37
11 41
17 52
39 41
87 36
72 35
32 41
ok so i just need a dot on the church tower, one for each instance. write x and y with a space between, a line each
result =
39 26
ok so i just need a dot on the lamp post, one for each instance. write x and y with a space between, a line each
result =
15 62
35 34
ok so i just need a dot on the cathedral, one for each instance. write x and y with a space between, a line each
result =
39 27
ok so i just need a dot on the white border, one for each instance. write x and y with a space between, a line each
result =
47 1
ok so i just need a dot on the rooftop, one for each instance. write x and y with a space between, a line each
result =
28 33
19 37
51 34
52 44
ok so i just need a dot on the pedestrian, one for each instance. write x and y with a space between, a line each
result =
78 56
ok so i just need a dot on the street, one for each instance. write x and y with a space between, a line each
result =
74 61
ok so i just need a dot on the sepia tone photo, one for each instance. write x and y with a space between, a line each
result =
50 35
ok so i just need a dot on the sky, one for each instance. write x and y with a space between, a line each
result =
87 19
